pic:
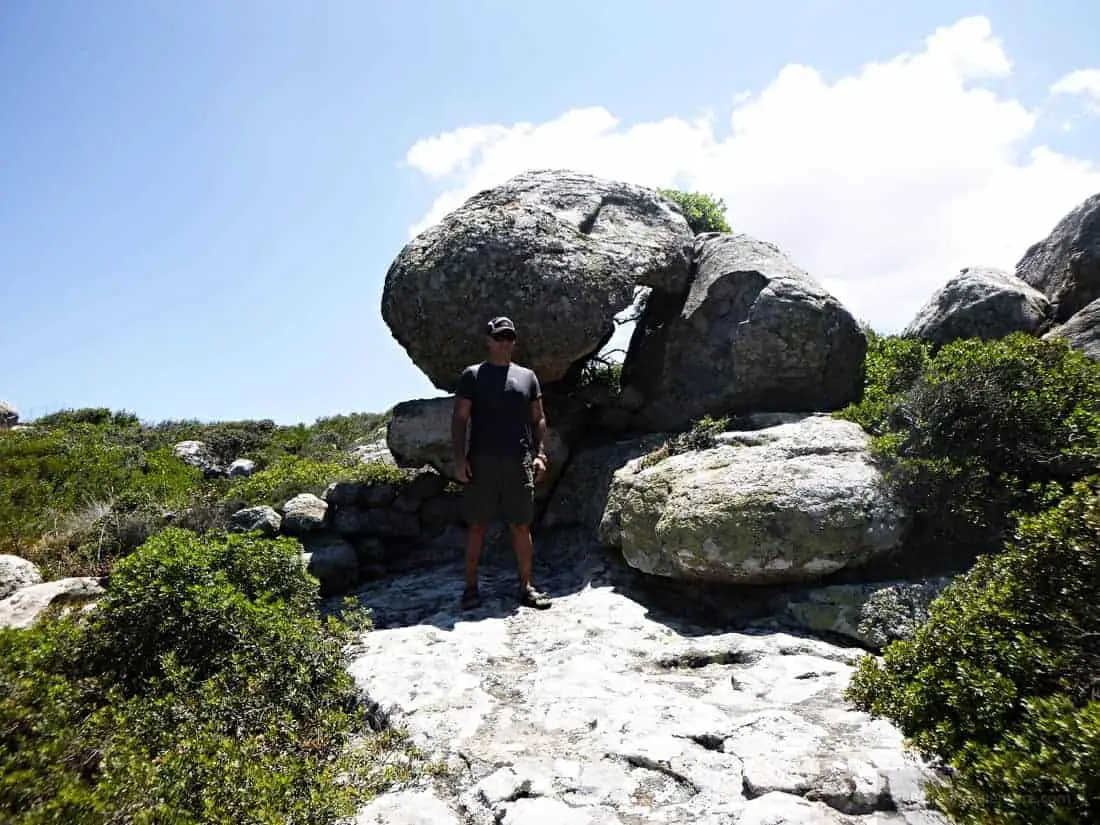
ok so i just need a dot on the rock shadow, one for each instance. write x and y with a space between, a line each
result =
567 561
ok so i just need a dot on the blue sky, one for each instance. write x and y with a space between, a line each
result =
199 200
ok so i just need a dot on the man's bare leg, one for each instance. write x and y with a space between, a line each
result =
524 548
475 538
525 551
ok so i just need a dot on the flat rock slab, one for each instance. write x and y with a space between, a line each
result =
601 711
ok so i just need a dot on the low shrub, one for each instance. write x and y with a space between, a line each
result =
202 688
1003 681
979 433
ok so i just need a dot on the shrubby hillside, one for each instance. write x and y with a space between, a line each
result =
80 488
203 687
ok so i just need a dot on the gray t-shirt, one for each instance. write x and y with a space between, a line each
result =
500 416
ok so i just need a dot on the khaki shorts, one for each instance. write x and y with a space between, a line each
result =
501 485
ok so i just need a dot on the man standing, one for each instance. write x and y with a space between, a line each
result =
503 402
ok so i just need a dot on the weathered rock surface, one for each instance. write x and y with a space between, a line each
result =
419 435
558 252
1082 331
1065 266
262 518
373 451
581 493
22 607
333 561
873 614
980 302
197 454
601 710
755 333
789 503
16 573
304 513
241 467
9 415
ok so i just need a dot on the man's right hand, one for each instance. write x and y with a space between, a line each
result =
463 471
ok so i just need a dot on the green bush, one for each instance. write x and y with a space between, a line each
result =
891 367
201 689
1003 681
984 430
704 213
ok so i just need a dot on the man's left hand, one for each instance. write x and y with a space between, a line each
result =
539 467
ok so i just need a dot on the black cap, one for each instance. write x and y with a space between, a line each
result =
500 324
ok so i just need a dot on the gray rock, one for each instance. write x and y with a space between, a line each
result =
1065 266
419 435
755 333
980 302
360 494
16 573
374 521
1082 331
333 561
790 503
305 513
197 454
9 415
407 807
599 710
559 252
873 614
580 495
372 452
241 467
24 606
262 518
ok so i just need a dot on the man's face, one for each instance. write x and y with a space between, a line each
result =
502 342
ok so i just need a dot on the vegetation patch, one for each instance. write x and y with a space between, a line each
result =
203 688
1003 681
702 435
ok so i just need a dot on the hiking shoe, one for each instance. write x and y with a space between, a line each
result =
470 598
530 597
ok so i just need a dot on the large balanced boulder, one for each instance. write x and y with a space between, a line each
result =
980 302
784 504
754 333
1082 331
1065 265
560 253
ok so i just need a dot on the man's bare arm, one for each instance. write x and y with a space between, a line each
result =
460 419
538 418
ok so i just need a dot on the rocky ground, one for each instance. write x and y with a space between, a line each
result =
609 709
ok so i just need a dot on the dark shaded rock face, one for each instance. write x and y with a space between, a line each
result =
1065 266
560 253
980 302
1082 331
754 333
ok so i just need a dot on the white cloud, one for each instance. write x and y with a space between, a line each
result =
881 184
1081 82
